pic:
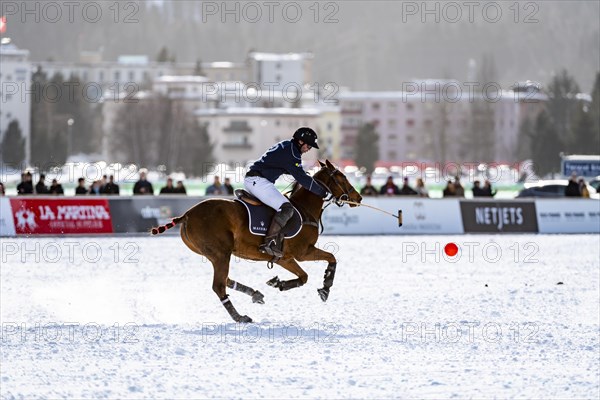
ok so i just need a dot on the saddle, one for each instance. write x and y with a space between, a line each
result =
261 215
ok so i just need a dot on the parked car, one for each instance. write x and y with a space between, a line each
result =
595 183
551 188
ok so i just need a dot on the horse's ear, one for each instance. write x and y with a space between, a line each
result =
329 165
321 164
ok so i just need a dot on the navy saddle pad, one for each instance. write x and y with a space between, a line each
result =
260 216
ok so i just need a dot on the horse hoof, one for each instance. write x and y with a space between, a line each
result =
244 319
323 294
258 297
275 282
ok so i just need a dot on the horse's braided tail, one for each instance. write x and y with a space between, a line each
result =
162 228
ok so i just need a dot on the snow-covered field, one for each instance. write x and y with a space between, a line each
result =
136 318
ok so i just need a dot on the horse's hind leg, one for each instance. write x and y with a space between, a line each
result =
221 270
257 297
292 266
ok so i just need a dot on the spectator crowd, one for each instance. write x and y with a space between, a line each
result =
104 186
453 188
576 187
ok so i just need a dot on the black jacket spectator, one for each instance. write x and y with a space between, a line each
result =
369 189
477 190
26 185
80 189
389 188
111 187
449 190
407 190
169 188
180 188
572 189
487 190
40 187
56 188
228 187
143 186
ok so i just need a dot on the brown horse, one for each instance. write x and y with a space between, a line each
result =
218 228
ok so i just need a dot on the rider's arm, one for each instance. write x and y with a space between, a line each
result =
305 180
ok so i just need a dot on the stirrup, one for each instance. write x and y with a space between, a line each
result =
272 251
271 247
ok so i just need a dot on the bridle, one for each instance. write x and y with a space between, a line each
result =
338 201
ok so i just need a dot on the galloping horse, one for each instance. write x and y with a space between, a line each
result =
218 228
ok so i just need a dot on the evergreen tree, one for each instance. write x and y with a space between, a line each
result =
40 119
196 151
86 133
366 147
440 142
546 145
198 69
583 140
13 145
479 143
562 105
526 135
594 112
49 115
163 55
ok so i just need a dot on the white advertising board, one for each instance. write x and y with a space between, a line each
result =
568 215
420 216
7 224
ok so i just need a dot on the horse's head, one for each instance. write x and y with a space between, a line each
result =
337 184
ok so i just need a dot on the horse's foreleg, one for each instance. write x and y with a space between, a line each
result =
327 281
257 297
221 270
295 269
315 254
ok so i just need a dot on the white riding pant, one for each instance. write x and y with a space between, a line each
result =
265 191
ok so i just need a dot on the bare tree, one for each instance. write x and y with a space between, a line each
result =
160 131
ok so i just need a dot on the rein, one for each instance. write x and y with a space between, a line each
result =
345 199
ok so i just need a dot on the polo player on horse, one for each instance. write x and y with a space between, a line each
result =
282 158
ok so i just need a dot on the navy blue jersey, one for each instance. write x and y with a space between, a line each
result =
285 158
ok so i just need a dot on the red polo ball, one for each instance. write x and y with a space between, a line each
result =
451 249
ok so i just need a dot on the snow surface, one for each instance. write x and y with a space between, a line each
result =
390 329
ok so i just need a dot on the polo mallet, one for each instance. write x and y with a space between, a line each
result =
399 216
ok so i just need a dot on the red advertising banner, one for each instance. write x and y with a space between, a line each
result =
58 216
